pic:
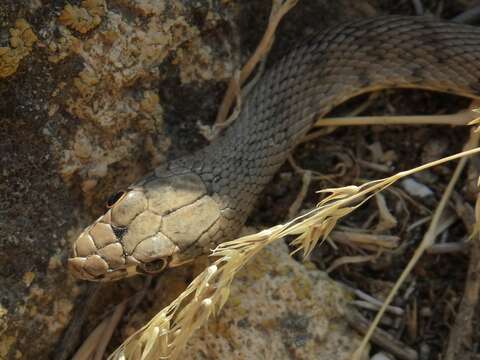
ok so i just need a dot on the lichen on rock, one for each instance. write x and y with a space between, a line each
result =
83 18
278 309
114 92
22 39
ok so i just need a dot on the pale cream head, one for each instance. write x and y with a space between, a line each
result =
145 229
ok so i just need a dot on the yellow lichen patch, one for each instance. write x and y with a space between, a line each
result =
22 39
114 97
60 49
54 263
5 345
85 83
118 58
150 102
54 318
302 288
84 18
3 321
5 341
28 278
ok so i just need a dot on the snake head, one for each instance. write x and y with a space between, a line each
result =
146 229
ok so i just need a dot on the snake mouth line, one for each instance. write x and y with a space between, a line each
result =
152 268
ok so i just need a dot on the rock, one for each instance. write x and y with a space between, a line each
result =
382 356
278 309
415 188
79 104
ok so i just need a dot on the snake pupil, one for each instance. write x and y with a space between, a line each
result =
113 199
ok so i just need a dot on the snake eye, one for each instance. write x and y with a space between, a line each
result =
154 267
113 199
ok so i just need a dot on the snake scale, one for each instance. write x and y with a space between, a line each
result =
187 206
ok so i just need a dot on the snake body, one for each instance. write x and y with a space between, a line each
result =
187 206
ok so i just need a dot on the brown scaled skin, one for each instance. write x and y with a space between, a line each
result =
186 207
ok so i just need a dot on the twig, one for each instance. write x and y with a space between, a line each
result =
411 322
374 166
260 52
465 212
370 306
211 132
315 175
295 207
458 119
418 6
386 219
72 336
448 248
470 16
95 345
344 260
357 238
108 332
461 335
88 347
381 337
370 299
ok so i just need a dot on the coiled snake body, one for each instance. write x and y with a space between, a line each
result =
186 207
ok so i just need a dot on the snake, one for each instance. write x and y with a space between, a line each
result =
186 206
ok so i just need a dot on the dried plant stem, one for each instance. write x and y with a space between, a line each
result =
460 337
352 114
95 345
295 207
458 119
381 337
111 326
279 9
89 346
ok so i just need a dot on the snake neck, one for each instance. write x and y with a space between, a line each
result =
338 64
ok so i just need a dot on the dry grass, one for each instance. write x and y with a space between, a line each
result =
234 93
